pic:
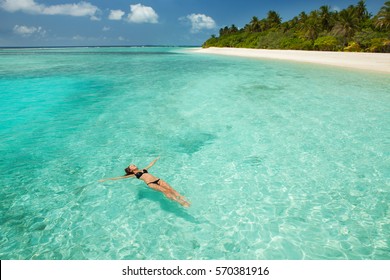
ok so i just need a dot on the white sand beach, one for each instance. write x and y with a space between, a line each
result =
378 62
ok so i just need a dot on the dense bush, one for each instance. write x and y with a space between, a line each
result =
380 45
353 47
326 43
295 43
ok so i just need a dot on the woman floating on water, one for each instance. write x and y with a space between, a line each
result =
153 182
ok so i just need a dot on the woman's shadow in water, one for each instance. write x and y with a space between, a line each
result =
167 205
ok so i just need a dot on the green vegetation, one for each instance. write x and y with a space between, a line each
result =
351 29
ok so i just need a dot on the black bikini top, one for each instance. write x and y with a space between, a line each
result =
140 173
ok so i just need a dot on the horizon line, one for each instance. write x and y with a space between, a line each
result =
99 46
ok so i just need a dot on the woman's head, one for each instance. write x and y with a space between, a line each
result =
130 169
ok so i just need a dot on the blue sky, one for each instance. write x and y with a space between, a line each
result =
138 22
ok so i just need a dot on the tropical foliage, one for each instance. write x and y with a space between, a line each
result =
351 29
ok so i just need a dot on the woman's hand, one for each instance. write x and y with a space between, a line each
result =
152 163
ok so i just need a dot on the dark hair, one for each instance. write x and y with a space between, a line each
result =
128 171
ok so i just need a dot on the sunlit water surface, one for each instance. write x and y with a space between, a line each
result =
280 160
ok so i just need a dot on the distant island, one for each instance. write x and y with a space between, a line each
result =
352 29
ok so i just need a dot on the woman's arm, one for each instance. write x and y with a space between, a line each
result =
152 163
117 178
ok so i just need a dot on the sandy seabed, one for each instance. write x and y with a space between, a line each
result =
378 62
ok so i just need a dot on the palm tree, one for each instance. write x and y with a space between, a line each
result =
348 24
382 19
312 26
326 16
361 11
233 29
254 25
294 22
273 19
302 17
224 31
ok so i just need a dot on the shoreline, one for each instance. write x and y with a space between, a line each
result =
376 62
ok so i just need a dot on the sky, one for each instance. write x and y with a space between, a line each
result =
139 22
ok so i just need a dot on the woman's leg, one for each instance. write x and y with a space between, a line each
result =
170 193
178 197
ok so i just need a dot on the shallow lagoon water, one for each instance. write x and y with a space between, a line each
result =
280 160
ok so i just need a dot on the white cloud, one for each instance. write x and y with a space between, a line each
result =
31 7
105 28
27 6
336 9
116 14
142 14
199 22
78 38
77 10
27 31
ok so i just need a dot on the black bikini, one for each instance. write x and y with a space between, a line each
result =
154 182
140 173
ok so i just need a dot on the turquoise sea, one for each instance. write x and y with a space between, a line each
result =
280 160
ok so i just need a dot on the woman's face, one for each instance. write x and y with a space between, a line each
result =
132 167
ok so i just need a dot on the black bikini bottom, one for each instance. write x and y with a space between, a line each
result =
154 182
